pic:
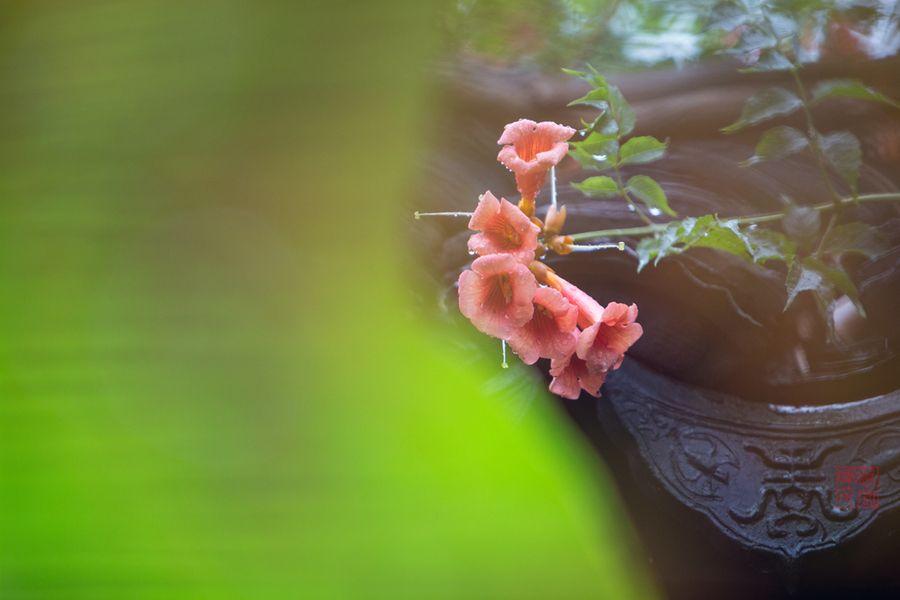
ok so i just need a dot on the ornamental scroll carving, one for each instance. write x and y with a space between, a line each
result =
764 475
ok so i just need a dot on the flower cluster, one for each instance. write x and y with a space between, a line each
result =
509 294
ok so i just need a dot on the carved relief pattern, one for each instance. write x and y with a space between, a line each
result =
769 488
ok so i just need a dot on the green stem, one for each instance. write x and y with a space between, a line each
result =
821 245
814 137
628 199
766 218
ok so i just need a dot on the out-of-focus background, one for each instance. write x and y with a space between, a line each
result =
212 379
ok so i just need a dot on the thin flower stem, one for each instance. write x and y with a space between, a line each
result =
553 186
503 363
418 214
766 218
594 247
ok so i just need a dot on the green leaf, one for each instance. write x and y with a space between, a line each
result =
574 72
702 232
709 232
597 151
648 191
663 243
842 150
766 245
765 105
621 111
778 142
598 187
641 149
598 96
849 88
769 60
811 274
604 124
856 238
801 279
646 250
605 96
802 223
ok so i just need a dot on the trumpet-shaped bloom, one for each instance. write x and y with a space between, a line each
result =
531 149
589 310
603 345
503 229
550 333
496 294
571 375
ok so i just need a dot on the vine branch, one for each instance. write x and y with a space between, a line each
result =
748 220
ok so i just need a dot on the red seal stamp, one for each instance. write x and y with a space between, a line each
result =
856 486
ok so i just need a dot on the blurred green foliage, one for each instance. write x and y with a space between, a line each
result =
211 382
616 35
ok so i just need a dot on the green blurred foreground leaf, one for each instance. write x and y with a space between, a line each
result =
199 403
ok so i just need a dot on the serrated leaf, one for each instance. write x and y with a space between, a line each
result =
849 88
778 142
597 151
802 223
811 274
598 187
768 59
766 245
648 191
800 279
855 238
603 124
843 152
621 111
764 105
663 243
701 232
641 149
647 249
839 279
599 93
709 232
605 96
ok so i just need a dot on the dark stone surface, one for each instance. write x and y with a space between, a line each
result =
733 499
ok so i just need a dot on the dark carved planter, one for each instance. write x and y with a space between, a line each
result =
763 474
725 448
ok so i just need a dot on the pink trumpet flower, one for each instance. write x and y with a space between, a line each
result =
503 229
551 331
571 375
496 294
530 150
603 345
589 310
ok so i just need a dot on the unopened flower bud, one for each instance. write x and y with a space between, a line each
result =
561 244
555 220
